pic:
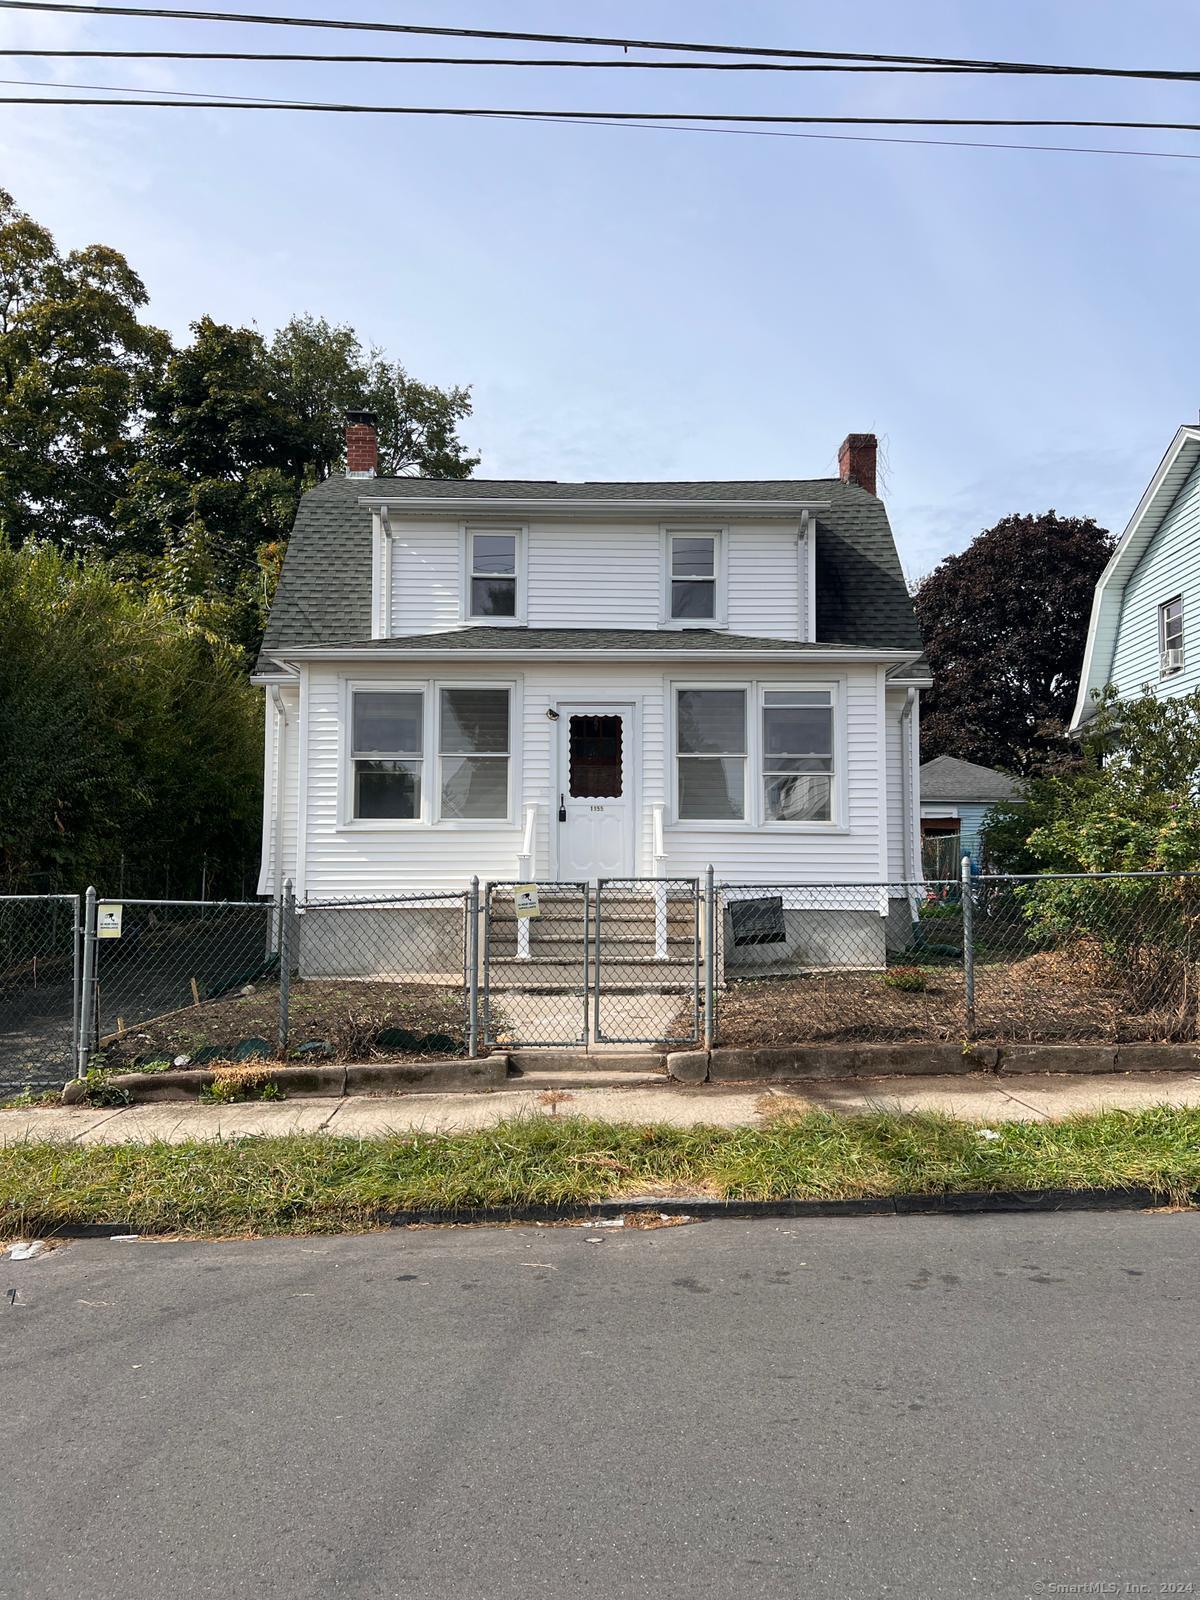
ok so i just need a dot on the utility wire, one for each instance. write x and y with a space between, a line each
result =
517 61
161 13
251 103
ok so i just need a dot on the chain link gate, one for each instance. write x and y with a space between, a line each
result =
617 963
536 967
40 943
646 961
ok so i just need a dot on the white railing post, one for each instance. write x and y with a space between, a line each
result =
525 875
660 887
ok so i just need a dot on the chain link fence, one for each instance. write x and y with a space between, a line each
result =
143 983
39 990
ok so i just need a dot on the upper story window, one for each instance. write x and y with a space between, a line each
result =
797 755
692 577
1170 637
387 748
492 578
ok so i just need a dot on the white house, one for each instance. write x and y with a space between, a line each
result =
1148 596
572 681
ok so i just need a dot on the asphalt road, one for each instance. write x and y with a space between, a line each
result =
904 1407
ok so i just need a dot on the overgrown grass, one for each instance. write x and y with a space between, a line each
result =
317 1183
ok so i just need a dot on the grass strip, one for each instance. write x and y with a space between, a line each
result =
317 1183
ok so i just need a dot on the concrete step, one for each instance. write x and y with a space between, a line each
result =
599 1058
588 1078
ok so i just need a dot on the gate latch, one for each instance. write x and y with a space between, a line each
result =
562 808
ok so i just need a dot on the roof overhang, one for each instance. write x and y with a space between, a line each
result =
1173 472
390 652
457 507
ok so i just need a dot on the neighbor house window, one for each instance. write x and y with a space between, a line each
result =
797 755
493 575
473 753
710 754
1170 636
387 744
693 577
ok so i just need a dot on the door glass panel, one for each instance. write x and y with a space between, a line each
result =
595 758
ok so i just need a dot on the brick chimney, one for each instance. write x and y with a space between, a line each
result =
856 460
362 444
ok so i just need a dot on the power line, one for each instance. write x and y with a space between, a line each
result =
163 14
522 61
252 103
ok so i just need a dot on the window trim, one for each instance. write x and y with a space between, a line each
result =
836 783
466 824
346 816
698 530
518 531
755 820
1164 671
430 816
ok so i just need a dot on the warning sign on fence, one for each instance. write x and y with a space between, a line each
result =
108 919
525 897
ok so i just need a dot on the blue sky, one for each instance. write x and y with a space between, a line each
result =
1018 327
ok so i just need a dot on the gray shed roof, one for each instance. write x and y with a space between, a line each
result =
948 778
324 594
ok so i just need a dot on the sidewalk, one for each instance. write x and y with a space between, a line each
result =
978 1098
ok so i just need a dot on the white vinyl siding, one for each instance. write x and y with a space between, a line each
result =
596 575
363 861
1169 570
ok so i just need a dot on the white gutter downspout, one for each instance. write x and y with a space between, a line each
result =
383 611
280 783
909 806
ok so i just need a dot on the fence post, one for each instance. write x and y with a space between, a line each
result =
87 997
710 955
287 906
968 922
473 969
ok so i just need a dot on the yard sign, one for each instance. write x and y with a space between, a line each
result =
525 898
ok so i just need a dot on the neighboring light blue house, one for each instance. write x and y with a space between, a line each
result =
956 797
1147 604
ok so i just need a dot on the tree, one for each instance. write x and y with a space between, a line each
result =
124 733
75 367
238 428
1005 624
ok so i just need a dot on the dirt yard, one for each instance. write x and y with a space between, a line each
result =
416 1020
1041 998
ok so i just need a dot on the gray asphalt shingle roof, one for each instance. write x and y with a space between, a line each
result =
948 778
505 640
324 593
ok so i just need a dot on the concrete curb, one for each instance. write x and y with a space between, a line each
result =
325 1082
728 1064
967 1203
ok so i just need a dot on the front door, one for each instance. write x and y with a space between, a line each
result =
595 802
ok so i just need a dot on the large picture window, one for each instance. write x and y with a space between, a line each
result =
797 755
493 575
710 753
693 577
387 744
473 753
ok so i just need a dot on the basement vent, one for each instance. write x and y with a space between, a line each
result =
757 921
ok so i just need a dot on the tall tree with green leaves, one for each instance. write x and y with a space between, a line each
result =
1005 625
127 737
76 365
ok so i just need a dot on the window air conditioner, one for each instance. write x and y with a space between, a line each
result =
1172 660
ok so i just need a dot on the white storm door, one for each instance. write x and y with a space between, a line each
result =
594 803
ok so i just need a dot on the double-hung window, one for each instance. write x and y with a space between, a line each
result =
710 746
1170 637
692 577
492 578
473 754
387 747
797 755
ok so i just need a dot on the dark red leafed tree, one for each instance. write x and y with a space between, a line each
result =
1005 624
